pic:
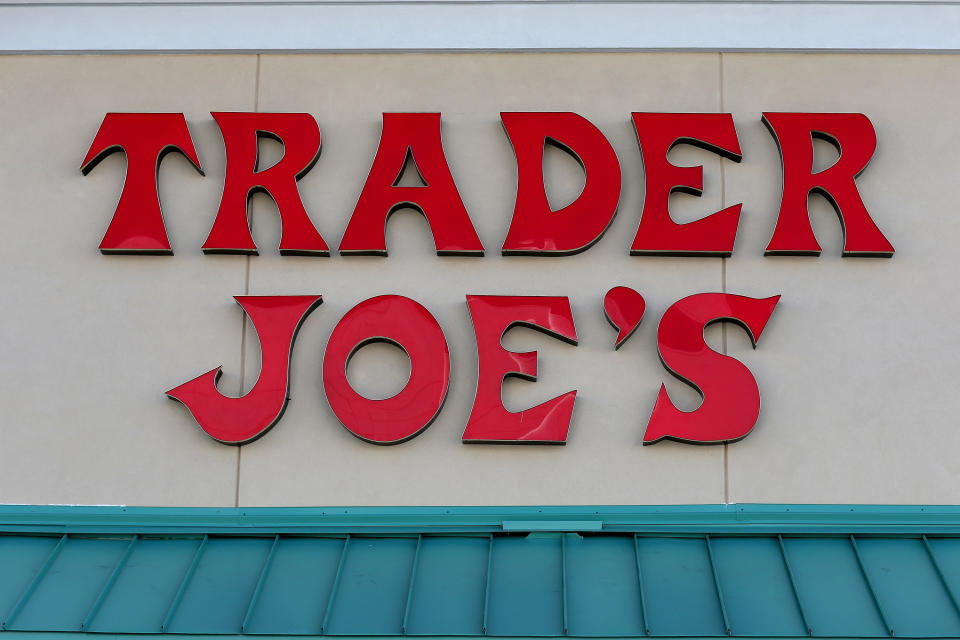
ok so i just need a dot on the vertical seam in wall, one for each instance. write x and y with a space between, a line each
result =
723 195
723 278
246 292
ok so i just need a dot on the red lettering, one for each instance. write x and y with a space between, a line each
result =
145 138
407 324
624 309
854 137
492 317
416 135
240 420
658 234
300 137
731 399
538 230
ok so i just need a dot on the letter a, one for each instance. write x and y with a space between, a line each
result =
416 135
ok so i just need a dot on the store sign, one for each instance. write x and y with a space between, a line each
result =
731 398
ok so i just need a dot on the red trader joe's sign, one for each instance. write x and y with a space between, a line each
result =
731 397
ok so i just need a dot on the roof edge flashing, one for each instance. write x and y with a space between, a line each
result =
730 518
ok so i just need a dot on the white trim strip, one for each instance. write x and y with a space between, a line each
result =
479 25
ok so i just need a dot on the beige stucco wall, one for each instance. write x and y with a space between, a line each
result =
857 367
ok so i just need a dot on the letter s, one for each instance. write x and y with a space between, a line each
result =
731 398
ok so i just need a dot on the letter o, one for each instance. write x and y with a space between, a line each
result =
407 324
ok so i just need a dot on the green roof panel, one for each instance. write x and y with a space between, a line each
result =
671 572
297 585
139 598
757 591
451 570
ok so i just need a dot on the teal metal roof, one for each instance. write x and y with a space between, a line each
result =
855 572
